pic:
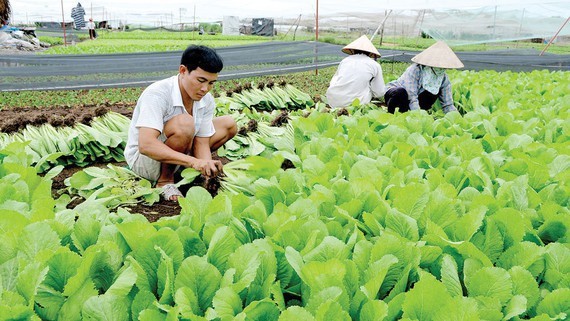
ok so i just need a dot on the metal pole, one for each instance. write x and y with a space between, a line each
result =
520 28
494 22
63 19
381 25
317 40
552 39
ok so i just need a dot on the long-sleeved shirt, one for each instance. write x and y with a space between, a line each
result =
411 81
357 76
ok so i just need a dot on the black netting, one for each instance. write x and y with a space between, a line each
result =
47 72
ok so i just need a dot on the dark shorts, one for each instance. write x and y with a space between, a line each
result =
397 97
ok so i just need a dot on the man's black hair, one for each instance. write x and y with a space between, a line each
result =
201 56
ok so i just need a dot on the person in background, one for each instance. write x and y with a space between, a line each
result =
91 28
358 76
173 123
424 81
78 16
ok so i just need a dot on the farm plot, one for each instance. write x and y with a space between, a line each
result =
346 215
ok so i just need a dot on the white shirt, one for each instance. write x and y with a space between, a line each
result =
90 25
357 76
161 101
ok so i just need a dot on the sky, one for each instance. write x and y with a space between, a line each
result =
166 12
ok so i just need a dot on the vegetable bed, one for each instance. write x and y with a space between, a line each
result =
351 215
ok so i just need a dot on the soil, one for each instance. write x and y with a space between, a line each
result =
16 119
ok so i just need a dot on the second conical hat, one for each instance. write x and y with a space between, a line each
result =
362 43
438 55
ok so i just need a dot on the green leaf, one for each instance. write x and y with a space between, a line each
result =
402 224
165 276
373 310
559 165
194 207
201 277
38 239
514 193
525 284
527 255
142 300
149 256
222 244
29 280
123 283
556 304
450 276
322 275
492 241
135 232
516 306
62 266
48 302
227 303
85 232
329 248
458 308
554 229
261 310
425 299
152 314
105 307
491 282
296 313
71 309
186 299
331 310
375 274
557 269
294 259
467 225
191 241
411 199
269 193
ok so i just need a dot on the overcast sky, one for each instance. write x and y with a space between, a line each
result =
166 11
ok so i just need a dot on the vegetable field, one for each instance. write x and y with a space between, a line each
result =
350 214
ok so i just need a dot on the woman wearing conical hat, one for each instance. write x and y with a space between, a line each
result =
424 81
358 76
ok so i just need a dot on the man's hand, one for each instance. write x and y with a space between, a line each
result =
208 168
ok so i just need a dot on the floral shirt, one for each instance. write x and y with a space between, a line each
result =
411 81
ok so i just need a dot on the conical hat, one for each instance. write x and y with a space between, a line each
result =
438 55
362 43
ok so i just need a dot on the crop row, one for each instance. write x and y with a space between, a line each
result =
411 216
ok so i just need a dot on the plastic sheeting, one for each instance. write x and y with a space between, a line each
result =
496 23
262 27
230 25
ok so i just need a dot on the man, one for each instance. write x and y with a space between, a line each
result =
424 81
357 76
173 123
91 28
78 16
